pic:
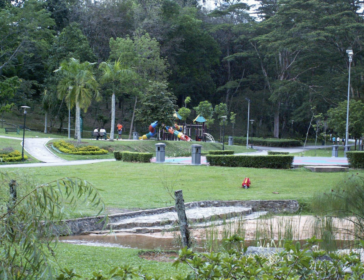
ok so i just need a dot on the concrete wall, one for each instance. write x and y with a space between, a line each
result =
85 225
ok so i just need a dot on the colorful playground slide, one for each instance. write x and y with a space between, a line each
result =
178 132
151 132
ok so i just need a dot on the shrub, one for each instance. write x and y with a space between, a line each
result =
356 159
271 153
277 162
136 157
118 155
68 148
6 156
145 157
269 142
220 152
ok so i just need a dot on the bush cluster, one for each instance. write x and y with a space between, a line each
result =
220 152
68 148
133 156
272 153
6 156
356 159
269 142
276 162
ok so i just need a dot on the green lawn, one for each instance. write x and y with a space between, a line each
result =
31 134
325 152
15 145
141 185
173 148
87 259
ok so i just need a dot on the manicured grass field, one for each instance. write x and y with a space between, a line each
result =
324 152
173 148
87 259
144 185
16 145
30 134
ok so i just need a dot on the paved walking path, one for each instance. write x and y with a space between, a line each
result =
37 148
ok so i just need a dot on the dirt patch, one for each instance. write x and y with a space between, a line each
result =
159 256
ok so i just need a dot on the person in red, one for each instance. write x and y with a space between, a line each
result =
120 130
246 183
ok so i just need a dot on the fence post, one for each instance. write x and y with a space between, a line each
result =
182 218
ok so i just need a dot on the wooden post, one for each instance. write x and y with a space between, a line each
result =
182 218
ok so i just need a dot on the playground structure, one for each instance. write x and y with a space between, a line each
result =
181 132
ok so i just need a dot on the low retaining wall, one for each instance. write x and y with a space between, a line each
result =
85 225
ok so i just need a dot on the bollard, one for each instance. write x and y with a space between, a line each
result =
196 154
135 135
230 141
160 150
335 151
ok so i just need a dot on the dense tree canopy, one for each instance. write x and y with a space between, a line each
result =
291 61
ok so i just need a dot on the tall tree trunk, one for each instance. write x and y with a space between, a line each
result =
45 122
276 121
112 116
78 126
132 119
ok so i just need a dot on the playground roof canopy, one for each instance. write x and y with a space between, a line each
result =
199 119
177 116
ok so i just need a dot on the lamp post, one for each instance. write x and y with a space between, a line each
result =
247 130
223 131
25 116
251 122
350 53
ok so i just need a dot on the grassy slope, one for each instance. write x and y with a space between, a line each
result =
173 148
133 185
30 134
87 259
15 144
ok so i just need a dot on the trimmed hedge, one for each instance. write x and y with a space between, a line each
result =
276 162
6 156
271 153
268 142
68 148
118 155
136 157
356 159
220 152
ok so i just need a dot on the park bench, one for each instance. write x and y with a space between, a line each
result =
12 129
106 136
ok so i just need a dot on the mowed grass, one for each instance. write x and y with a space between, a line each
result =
30 134
173 148
142 186
87 259
324 152
15 145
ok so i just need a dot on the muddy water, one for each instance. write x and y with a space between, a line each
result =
123 241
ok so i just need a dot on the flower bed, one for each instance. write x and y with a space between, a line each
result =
68 148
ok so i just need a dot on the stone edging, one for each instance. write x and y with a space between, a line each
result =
82 225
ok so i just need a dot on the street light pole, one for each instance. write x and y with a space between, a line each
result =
247 132
350 53
25 115
251 122
223 132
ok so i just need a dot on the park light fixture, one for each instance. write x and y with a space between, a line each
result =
350 53
223 131
251 122
247 130
25 116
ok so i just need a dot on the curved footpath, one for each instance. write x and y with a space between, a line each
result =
37 148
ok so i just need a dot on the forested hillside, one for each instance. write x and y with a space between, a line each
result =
142 58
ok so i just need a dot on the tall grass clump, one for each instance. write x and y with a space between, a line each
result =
344 201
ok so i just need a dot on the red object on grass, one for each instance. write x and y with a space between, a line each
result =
246 183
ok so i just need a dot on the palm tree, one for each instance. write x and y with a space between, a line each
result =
77 87
113 73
